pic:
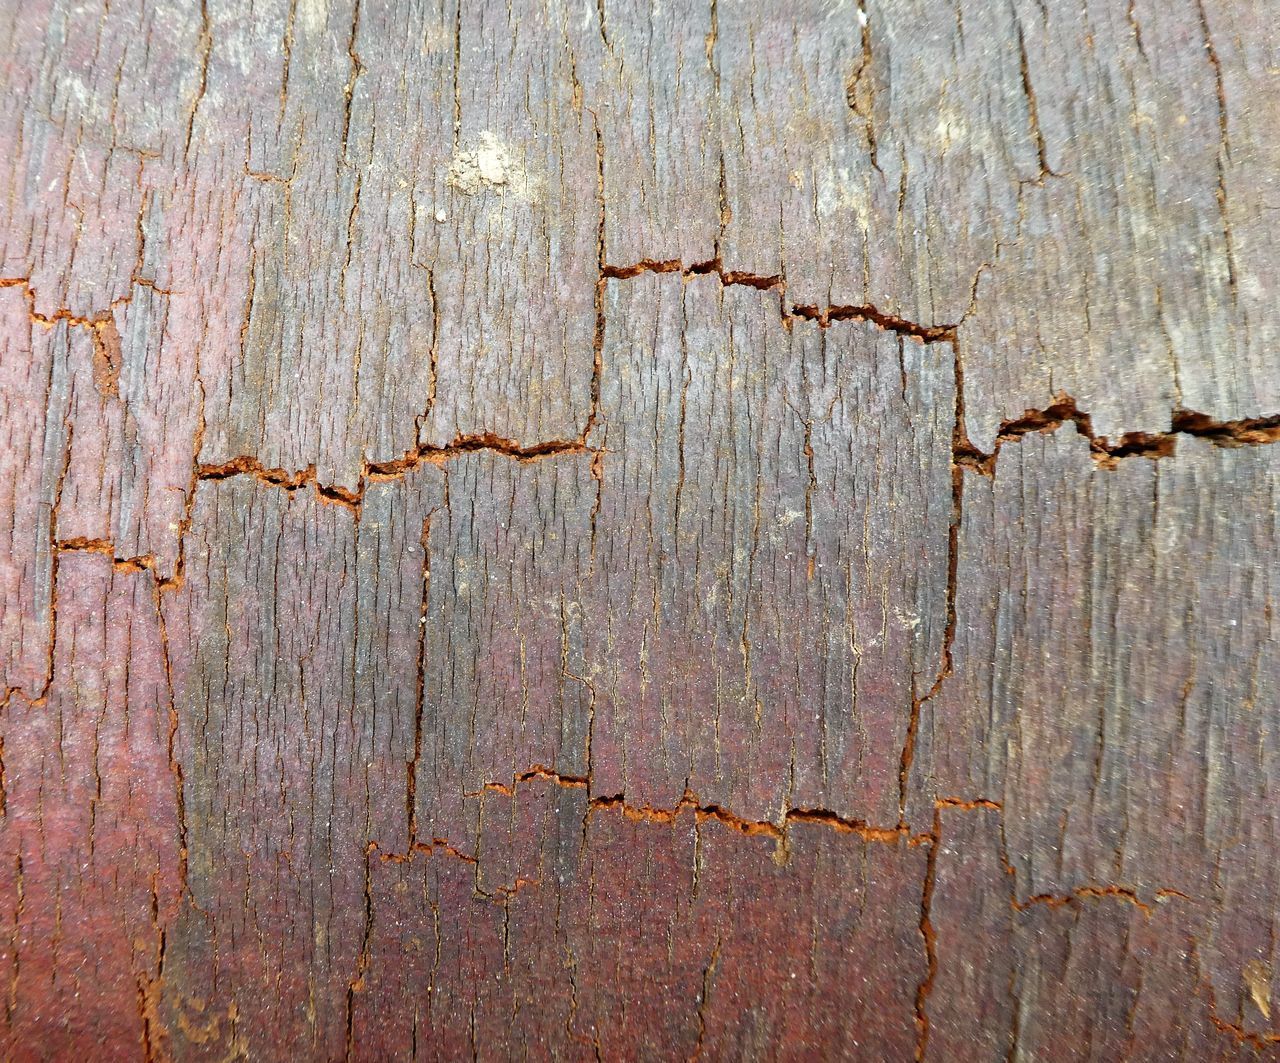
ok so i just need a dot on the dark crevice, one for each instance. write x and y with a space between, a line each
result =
823 316
1259 431
392 469
929 938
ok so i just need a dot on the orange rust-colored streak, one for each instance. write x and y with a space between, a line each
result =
705 812
392 468
961 805
104 547
1243 1036
106 357
1248 432
930 939
647 265
1260 1041
824 317
1092 892
62 314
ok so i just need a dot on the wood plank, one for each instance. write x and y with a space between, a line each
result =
624 530
1111 668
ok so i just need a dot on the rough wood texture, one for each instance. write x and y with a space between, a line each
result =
704 530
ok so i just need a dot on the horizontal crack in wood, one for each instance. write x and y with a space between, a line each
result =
1259 431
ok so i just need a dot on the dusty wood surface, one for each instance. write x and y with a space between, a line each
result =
597 529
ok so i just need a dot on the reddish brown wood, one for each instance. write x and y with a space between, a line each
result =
704 530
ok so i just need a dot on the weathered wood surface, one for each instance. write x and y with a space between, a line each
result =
570 529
